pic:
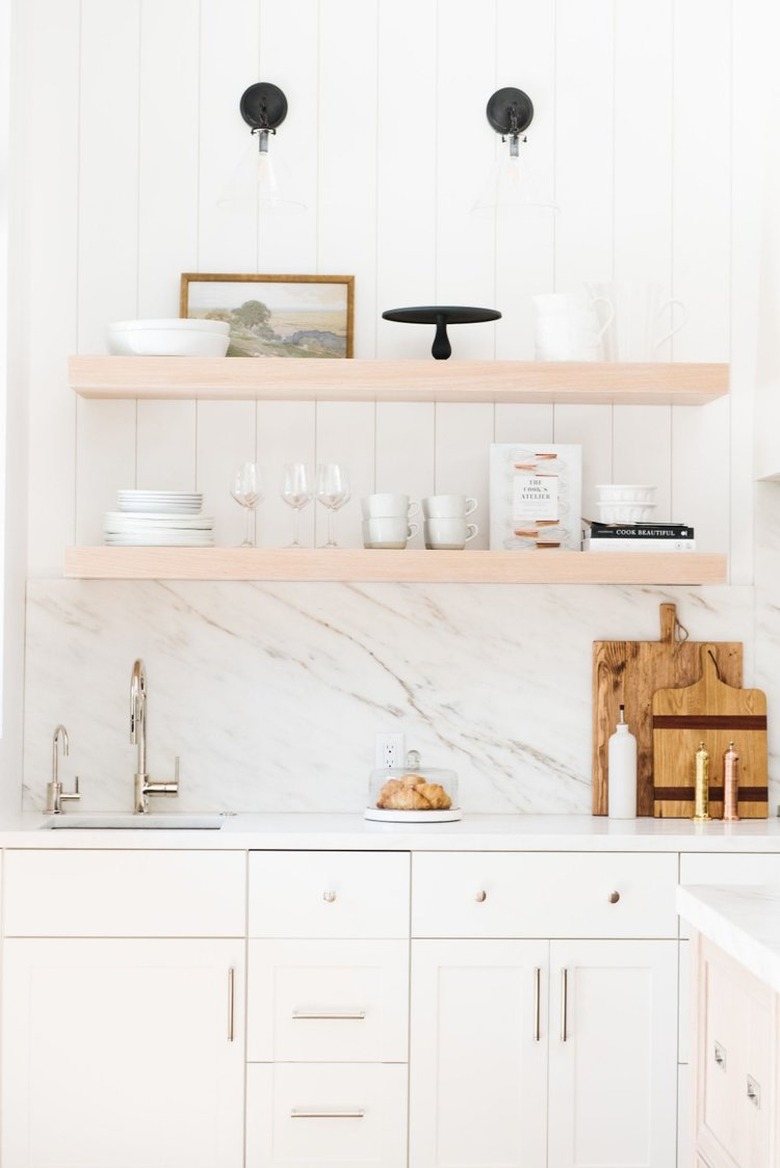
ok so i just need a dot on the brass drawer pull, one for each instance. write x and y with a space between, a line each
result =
481 895
327 1113
358 1015
614 897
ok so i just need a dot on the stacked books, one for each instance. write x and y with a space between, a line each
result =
637 537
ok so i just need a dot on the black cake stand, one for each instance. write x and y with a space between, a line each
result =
441 315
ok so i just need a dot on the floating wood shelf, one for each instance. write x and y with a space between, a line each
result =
322 379
359 565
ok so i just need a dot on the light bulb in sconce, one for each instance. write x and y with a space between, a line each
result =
260 180
513 181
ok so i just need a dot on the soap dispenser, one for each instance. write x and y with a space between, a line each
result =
621 771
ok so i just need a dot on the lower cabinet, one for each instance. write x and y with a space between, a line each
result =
122 1052
533 1053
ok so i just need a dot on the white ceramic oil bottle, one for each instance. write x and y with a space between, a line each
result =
621 771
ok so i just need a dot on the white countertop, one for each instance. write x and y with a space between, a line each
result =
352 832
742 921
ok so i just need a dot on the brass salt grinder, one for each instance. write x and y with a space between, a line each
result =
701 795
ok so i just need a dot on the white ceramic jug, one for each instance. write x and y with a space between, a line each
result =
634 332
567 327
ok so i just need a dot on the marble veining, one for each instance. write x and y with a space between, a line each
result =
272 693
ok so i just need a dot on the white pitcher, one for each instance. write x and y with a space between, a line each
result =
567 327
634 332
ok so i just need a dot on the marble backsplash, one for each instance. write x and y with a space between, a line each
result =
272 694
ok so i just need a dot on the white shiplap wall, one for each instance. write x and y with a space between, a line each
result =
387 139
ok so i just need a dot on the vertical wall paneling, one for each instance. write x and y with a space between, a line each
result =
166 445
105 464
168 152
585 142
463 437
226 437
407 137
289 47
700 473
108 168
285 433
702 176
347 155
642 453
346 434
523 423
404 451
643 146
50 202
227 239
465 242
524 240
591 427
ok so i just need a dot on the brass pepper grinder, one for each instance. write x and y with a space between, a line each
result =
701 800
730 784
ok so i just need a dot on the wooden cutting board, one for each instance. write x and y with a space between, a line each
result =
712 712
631 672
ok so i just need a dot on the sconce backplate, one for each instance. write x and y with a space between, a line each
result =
508 103
263 106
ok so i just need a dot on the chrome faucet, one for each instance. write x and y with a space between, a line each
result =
55 796
143 786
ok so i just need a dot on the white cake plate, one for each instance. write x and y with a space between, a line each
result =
379 813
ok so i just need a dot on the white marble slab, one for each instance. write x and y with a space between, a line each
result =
273 694
743 921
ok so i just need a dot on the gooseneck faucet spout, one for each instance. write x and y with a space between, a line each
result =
143 786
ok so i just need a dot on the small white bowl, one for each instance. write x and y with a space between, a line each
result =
624 493
626 512
169 338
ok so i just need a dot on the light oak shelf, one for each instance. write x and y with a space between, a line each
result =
339 379
412 566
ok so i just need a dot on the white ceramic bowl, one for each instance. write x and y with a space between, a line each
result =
624 493
626 512
177 337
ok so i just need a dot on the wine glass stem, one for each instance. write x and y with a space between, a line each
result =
249 536
331 533
296 526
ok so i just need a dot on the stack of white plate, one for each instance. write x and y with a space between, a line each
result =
159 519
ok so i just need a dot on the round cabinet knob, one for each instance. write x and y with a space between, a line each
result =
481 895
614 897
330 896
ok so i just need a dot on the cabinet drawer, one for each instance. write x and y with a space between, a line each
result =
561 894
328 1001
124 894
324 1114
328 894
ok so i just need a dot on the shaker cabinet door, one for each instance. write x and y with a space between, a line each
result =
478 1055
613 1054
122 1052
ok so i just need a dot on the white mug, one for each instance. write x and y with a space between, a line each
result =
635 332
387 531
449 534
448 506
567 327
388 503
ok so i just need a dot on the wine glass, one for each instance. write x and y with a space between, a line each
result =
332 492
296 492
246 487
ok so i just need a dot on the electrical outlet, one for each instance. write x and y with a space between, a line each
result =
389 751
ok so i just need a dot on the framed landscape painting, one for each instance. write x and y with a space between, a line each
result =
275 316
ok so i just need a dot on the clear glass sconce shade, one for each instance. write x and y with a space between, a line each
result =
260 181
515 183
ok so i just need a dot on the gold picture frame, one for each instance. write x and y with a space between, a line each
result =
275 315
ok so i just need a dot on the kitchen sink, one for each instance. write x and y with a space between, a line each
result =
135 822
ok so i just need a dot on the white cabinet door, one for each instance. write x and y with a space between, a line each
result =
478 1054
613 1054
122 1053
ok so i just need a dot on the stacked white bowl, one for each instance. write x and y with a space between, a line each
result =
158 519
625 502
174 337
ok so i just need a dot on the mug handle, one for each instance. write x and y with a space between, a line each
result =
471 531
677 327
610 314
412 529
471 506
